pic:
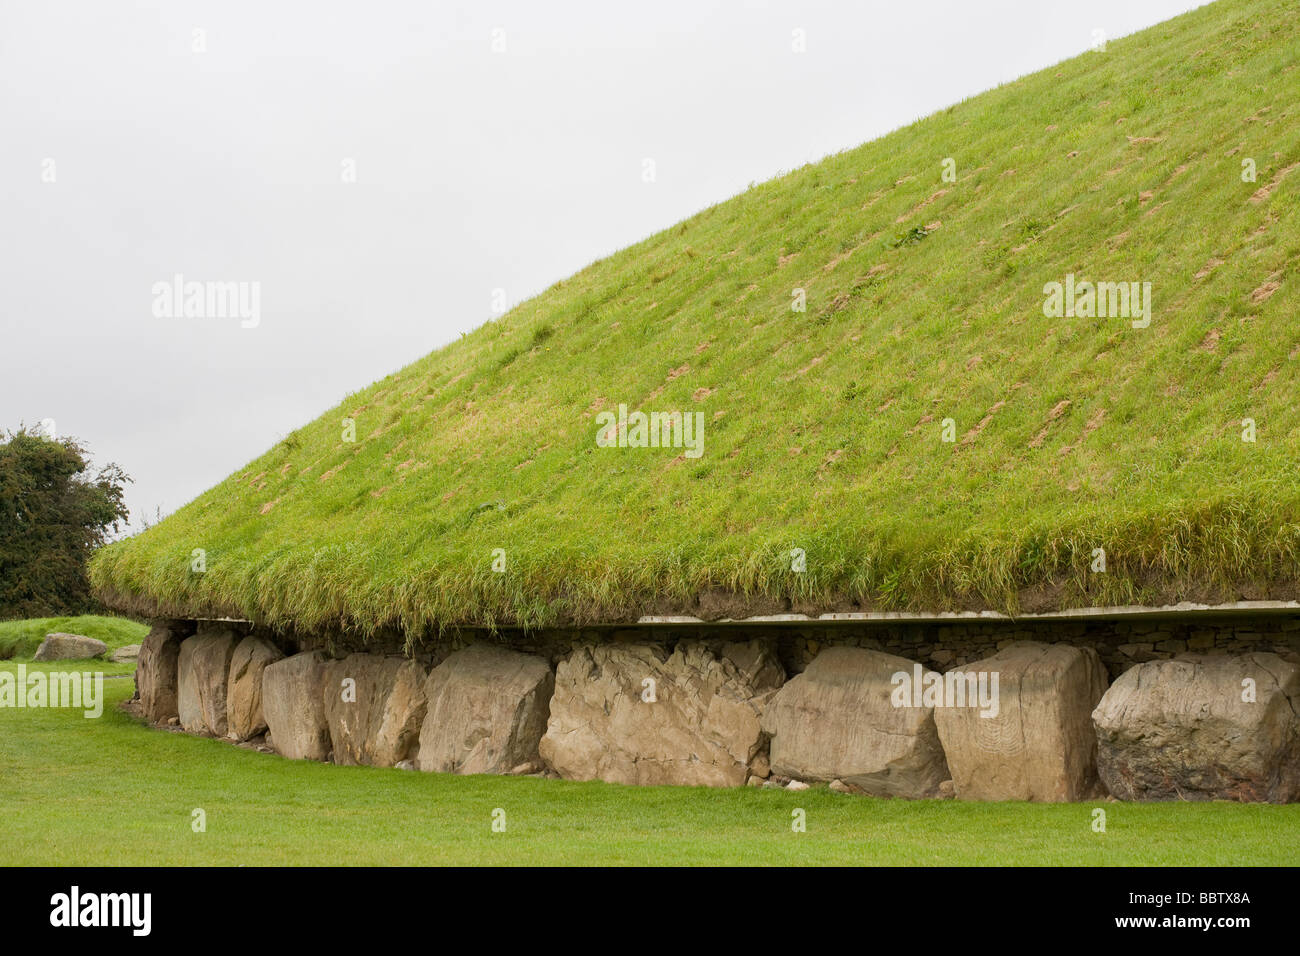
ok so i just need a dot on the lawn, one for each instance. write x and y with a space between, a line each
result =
115 792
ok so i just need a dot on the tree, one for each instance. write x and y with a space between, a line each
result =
53 514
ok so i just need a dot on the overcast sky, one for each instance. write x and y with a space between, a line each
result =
494 145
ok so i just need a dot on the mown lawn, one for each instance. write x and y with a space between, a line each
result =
114 792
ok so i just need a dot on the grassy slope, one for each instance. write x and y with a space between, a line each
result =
19 639
68 801
823 428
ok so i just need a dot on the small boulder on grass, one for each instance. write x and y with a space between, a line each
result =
124 655
69 647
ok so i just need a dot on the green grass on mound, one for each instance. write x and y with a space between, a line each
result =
19 639
823 429
114 792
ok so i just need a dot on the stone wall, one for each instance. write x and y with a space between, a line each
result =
1192 707
1119 643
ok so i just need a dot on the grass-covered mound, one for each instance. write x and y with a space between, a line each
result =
20 639
823 429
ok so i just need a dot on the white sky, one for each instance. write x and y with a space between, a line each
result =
475 170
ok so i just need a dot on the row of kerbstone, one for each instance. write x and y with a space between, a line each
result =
219 684
209 684
724 715
625 713
1206 727
849 717
481 710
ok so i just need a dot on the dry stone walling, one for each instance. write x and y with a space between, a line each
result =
706 710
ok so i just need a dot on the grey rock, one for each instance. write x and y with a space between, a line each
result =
69 647
293 703
1040 745
380 725
244 716
156 674
702 728
487 711
1181 730
203 669
838 720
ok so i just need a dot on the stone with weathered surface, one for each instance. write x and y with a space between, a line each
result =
487 712
125 654
69 647
1041 745
203 669
1181 730
244 716
156 674
375 720
702 728
837 721
293 704
755 662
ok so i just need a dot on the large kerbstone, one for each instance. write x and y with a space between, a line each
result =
244 715
487 711
293 703
838 721
1202 728
203 669
376 719
702 728
1041 745
69 647
156 674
